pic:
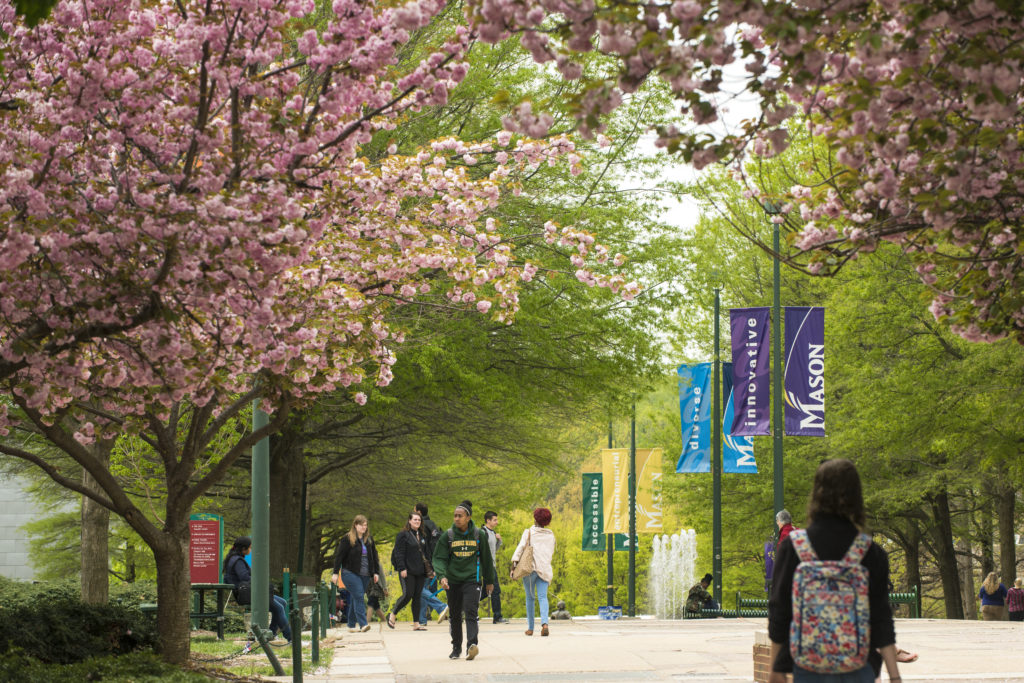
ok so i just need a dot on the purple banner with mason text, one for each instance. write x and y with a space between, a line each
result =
805 371
750 377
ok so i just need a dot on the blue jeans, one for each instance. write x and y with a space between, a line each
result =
531 582
864 675
429 601
279 617
357 587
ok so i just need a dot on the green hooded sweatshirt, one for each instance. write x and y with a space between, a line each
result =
460 558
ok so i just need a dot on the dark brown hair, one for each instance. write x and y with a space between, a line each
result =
408 523
837 492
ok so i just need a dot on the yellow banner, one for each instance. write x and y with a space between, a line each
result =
615 480
648 491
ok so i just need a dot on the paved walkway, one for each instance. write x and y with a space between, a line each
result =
631 650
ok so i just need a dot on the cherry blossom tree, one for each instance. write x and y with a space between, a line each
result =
919 105
188 224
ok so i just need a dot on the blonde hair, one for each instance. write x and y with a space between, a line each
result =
353 535
1016 583
991 584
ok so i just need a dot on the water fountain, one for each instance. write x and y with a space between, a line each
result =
672 572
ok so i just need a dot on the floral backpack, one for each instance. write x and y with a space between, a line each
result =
831 629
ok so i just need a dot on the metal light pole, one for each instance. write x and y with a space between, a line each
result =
260 522
777 428
716 467
632 514
610 545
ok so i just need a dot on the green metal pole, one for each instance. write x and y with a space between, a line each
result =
260 522
777 427
632 513
314 635
610 545
716 466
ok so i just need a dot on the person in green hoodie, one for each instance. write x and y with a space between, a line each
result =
462 562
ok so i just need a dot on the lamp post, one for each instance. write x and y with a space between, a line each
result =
716 467
260 521
773 210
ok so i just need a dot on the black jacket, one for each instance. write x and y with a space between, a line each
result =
237 571
831 538
348 556
432 532
410 548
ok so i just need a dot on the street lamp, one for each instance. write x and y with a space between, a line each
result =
773 209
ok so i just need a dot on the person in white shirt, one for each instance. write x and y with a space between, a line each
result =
543 541
494 540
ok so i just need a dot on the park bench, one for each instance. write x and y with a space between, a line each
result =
751 607
199 611
911 598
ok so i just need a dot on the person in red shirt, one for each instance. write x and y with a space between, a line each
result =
784 520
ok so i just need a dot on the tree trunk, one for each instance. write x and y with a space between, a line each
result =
174 593
913 550
942 532
287 472
95 537
966 564
985 534
1005 500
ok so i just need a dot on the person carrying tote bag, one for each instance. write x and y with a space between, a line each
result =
531 562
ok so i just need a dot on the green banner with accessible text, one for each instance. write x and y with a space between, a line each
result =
593 512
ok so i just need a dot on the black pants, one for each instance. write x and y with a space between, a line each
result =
463 598
412 588
496 601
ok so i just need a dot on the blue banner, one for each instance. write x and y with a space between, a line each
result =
805 371
737 451
695 415
750 351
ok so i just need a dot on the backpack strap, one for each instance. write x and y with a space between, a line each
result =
803 546
857 549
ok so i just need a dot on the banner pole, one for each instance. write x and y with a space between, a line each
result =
632 513
716 464
610 545
776 342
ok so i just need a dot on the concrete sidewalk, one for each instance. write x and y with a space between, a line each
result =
630 650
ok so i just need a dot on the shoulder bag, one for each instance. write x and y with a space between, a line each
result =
525 565
427 567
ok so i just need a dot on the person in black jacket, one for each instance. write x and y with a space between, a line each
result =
357 565
413 567
236 572
835 516
430 529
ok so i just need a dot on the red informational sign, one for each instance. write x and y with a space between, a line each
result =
204 551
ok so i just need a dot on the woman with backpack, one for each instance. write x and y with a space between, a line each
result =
541 542
993 598
235 571
831 562
357 565
410 560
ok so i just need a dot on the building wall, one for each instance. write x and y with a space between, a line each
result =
15 510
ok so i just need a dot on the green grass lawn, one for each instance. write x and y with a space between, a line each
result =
229 654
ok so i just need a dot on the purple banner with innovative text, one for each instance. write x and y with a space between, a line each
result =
750 350
805 371
737 451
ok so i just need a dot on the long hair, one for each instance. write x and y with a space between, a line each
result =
242 543
408 523
353 535
837 492
991 584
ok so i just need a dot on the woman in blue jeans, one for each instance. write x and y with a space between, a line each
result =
542 540
236 572
357 565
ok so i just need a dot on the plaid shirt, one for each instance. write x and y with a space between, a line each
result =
1015 600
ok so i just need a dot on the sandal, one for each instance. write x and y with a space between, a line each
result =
905 657
391 620
417 627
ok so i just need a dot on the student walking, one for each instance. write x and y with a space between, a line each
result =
542 541
494 541
357 565
832 645
1015 602
413 568
462 561
993 598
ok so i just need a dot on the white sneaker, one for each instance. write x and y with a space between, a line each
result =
365 628
443 615
472 652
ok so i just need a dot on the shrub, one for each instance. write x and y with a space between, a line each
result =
132 668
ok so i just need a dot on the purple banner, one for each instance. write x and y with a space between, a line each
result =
805 371
750 346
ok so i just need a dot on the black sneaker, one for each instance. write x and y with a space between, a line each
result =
499 620
455 654
472 652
